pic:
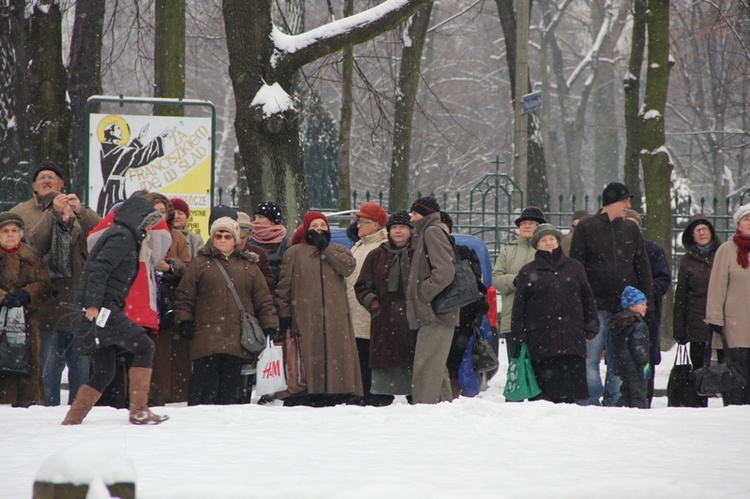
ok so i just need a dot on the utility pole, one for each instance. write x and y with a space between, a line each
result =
521 120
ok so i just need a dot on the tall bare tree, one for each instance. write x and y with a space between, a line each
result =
345 120
406 96
48 111
262 62
169 55
84 79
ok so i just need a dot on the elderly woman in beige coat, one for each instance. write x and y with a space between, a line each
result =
515 255
209 318
371 221
311 297
727 310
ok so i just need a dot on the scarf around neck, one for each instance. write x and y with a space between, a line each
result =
743 248
400 267
268 234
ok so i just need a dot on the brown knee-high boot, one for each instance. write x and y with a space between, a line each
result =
84 401
140 381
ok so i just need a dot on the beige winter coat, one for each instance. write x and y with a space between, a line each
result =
38 234
428 278
312 291
729 297
360 315
514 255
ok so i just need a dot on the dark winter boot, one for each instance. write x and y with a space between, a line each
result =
140 381
84 401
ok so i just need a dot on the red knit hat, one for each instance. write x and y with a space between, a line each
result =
299 234
179 204
373 211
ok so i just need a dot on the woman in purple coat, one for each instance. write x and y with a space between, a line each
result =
554 313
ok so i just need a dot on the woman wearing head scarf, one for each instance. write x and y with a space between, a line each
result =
381 289
24 282
554 312
105 329
208 315
701 243
312 301
727 310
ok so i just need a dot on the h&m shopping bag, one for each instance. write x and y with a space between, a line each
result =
269 374
521 383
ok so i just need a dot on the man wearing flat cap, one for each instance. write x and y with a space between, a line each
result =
612 251
51 214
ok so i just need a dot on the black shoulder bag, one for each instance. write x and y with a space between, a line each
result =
718 378
462 291
252 338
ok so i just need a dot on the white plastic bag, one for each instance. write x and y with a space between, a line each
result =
269 375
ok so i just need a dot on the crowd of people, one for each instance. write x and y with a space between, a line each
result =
144 313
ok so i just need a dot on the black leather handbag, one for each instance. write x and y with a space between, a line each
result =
462 291
681 386
718 378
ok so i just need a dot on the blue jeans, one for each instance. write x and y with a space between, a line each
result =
56 353
610 390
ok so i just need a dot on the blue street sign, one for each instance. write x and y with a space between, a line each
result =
532 102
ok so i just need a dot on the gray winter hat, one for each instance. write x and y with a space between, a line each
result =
545 230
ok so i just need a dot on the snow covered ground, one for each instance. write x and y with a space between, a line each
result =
481 447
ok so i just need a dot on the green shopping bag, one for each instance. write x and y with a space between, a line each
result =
521 383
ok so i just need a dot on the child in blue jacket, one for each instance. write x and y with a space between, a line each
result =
631 349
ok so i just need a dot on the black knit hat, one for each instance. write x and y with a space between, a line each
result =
615 192
47 165
221 210
401 217
531 213
425 206
271 211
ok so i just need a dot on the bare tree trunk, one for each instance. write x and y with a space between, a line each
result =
13 92
169 55
537 169
84 80
49 114
657 166
345 121
406 96
632 89
269 141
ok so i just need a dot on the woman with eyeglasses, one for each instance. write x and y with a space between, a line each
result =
208 316
311 297
701 243
515 255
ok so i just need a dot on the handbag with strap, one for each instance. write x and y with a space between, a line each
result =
718 378
59 257
484 356
252 338
462 291
681 386
469 380
296 379
15 347
521 383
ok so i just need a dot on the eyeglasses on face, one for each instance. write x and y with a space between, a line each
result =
361 222
47 176
528 223
698 230
223 235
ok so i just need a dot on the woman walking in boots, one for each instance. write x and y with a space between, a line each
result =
106 279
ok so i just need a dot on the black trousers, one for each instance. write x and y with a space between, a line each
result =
216 380
104 360
634 391
363 350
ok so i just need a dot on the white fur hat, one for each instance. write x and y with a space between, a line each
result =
227 224
741 212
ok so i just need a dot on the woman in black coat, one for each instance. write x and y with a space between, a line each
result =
554 313
106 279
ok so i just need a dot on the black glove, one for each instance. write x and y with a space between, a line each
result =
318 239
285 323
23 298
11 301
515 281
271 332
711 327
186 329
682 341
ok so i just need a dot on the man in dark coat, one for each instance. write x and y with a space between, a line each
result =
612 251
662 278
